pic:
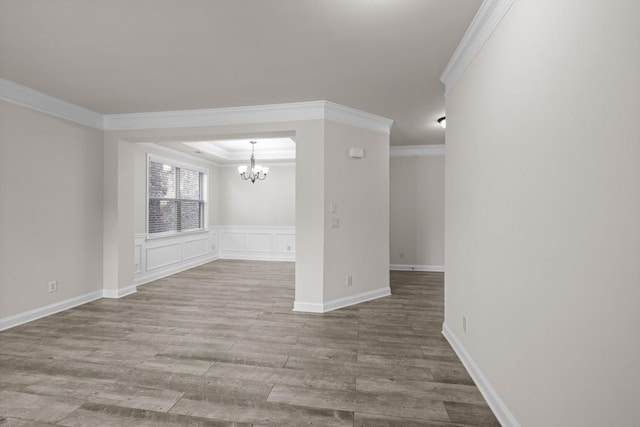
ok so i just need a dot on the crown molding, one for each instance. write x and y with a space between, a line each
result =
265 162
297 111
177 153
481 28
30 98
350 116
215 116
416 150
226 155
313 110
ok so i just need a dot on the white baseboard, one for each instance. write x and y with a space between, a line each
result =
120 292
407 267
258 257
308 307
28 316
341 302
168 271
495 402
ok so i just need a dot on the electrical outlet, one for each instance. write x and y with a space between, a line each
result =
464 324
53 286
335 223
349 280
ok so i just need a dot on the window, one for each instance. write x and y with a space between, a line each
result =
176 197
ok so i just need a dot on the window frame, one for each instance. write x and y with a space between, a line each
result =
204 193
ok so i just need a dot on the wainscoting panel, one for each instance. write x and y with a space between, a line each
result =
163 255
266 243
259 242
156 258
137 256
233 242
213 241
196 247
285 243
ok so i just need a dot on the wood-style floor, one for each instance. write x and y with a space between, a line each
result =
218 345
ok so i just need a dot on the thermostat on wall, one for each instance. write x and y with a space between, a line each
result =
356 153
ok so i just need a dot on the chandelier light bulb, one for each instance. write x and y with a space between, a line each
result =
253 172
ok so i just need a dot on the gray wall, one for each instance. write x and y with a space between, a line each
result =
543 212
271 202
417 211
51 209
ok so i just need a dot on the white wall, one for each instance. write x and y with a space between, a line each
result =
51 209
245 220
543 212
119 253
141 151
359 247
271 202
417 212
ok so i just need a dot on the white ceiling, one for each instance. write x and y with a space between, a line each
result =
119 56
234 150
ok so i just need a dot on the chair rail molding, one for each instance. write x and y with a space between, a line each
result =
480 30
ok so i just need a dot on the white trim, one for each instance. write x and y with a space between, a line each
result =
356 299
176 153
177 269
407 267
495 402
308 307
257 228
177 163
481 28
264 162
120 292
273 113
258 257
239 247
350 116
30 98
341 302
178 245
416 150
30 315
215 116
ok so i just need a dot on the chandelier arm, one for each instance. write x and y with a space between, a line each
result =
251 174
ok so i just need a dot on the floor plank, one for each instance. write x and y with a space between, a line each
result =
219 345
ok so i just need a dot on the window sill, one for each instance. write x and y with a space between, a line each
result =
158 236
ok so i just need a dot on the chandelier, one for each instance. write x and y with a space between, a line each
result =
255 172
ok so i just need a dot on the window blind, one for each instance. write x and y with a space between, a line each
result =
176 198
